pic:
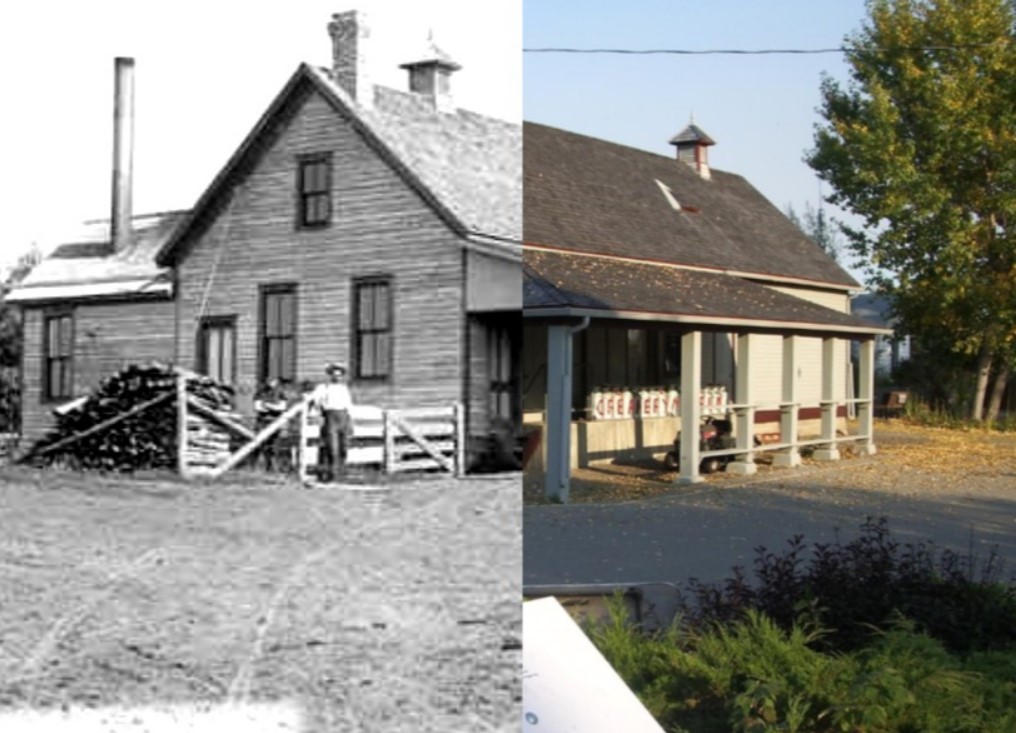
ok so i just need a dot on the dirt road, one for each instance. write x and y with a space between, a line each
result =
365 610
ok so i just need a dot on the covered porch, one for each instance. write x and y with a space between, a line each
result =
768 361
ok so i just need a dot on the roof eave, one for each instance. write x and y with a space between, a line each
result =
730 322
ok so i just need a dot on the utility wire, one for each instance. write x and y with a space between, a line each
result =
755 52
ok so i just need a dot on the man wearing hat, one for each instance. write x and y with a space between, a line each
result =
334 400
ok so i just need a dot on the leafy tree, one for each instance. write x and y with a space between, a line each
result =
11 342
817 228
921 144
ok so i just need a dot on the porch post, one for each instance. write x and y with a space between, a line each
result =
790 407
828 451
691 386
559 396
866 393
744 463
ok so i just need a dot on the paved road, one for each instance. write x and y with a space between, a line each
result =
703 530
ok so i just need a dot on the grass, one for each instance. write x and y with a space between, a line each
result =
371 610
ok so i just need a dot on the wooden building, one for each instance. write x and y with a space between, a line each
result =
355 223
89 309
646 273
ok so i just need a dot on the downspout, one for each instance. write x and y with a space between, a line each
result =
582 326
559 394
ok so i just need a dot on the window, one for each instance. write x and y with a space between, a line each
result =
372 328
217 348
58 356
314 191
502 371
278 333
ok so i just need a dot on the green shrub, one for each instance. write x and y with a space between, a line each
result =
865 584
752 676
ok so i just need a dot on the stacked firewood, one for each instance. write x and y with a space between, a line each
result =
130 422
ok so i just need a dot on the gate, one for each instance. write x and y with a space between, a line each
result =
416 439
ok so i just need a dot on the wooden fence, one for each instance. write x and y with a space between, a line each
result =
418 439
393 440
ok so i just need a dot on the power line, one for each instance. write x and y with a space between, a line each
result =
756 52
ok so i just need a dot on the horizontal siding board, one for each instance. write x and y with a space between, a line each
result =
379 226
107 338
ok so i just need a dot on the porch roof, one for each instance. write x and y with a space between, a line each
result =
86 266
560 284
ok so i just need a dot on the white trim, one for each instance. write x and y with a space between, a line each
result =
566 311
32 293
509 250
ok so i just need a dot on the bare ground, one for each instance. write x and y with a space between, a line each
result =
936 463
370 610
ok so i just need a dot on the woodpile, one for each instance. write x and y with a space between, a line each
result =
129 423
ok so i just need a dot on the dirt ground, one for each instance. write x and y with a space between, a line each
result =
910 459
391 608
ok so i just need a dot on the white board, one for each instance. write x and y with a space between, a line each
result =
567 685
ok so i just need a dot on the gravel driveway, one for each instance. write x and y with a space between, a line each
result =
631 524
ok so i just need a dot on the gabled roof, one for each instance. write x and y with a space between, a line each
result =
585 194
465 165
557 284
85 267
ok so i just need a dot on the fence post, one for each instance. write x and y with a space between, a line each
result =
389 447
458 415
181 426
302 446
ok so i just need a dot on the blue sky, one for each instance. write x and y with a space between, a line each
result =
759 109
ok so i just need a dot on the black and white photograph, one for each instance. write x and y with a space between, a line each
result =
260 388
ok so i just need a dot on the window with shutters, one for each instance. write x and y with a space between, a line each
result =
314 191
372 328
278 333
217 348
58 356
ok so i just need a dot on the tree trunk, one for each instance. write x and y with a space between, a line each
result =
997 391
983 373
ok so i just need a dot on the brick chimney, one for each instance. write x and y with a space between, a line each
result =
350 38
430 76
123 153
693 148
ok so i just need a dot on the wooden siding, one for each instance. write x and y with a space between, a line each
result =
836 300
379 227
810 359
107 337
492 284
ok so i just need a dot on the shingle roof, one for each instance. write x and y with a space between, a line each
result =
83 267
471 162
431 53
467 165
692 134
591 195
557 283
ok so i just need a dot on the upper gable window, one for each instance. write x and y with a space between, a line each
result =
314 191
